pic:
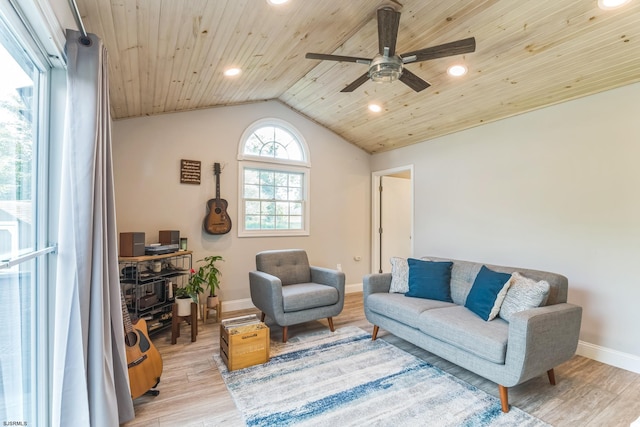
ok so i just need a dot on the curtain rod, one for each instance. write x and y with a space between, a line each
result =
85 40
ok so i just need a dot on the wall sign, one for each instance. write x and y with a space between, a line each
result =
190 171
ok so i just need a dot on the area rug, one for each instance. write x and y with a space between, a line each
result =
345 379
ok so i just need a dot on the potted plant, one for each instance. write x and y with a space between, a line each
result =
183 301
208 276
189 293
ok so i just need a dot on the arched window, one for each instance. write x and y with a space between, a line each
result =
274 180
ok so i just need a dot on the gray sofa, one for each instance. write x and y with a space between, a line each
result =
507 353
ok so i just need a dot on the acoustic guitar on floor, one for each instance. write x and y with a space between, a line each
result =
144 362
217 220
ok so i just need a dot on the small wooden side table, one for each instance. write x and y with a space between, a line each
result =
191 319
205 309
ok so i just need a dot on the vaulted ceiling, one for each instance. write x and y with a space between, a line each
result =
169 55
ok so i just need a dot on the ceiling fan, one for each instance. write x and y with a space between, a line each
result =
387 66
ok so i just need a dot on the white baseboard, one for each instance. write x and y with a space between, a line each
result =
245 303
354 287
611 357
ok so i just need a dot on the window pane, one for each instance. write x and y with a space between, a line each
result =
282 193
274 142
295 208
295 180
295 222
282 208
251 191
268 222
295 194
18 113
251 176
252 208
252 222
282 222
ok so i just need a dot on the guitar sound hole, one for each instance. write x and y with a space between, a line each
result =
218 210
131 339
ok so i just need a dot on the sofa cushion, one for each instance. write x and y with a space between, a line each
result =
303 296
524 294
401 308
463 329
429 279
487 293
399 275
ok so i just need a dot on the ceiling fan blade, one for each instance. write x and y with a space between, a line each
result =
413 81
356 83
340 58
448 49
388 22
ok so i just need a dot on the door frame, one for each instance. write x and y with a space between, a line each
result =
375 210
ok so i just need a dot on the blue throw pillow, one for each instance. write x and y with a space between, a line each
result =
487 293
430 279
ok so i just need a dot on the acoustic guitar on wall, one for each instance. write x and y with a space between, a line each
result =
217 220
144 362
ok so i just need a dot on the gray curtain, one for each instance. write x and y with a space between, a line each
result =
90 379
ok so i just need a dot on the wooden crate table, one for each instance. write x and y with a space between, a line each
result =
245 345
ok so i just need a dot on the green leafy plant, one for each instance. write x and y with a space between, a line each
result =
207 276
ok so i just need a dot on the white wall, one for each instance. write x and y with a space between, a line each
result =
556 189
149 196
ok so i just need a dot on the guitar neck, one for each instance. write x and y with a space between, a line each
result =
217 186
128 327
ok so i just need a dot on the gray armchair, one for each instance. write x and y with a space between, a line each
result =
290 291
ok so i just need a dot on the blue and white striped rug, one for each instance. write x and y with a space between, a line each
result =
345 379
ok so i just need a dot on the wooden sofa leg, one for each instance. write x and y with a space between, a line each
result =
330 320
504 398
284 333
552 376
262 317
374 335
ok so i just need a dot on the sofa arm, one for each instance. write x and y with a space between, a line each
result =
375 283
266 293
329 277
542 338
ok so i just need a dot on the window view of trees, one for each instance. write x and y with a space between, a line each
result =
273 199
16 142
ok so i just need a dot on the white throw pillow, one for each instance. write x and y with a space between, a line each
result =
399 275
523 294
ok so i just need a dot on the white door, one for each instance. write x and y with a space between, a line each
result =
395 220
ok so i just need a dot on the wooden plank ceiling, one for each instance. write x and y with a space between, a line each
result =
169 55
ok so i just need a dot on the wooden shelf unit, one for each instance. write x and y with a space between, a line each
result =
146 292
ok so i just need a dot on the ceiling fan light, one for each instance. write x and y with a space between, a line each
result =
385 69
375 108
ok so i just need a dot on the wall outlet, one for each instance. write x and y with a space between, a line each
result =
339 267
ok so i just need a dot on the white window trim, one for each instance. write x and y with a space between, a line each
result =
242 232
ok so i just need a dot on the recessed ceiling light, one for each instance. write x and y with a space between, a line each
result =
277 2
611 4
375 108
457 70
232 72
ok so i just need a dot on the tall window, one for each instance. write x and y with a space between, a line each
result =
274 181
22 224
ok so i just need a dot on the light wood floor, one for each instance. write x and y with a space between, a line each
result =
192 393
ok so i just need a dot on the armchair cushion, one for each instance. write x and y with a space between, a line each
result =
304 296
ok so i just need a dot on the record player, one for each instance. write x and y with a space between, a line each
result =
158 249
